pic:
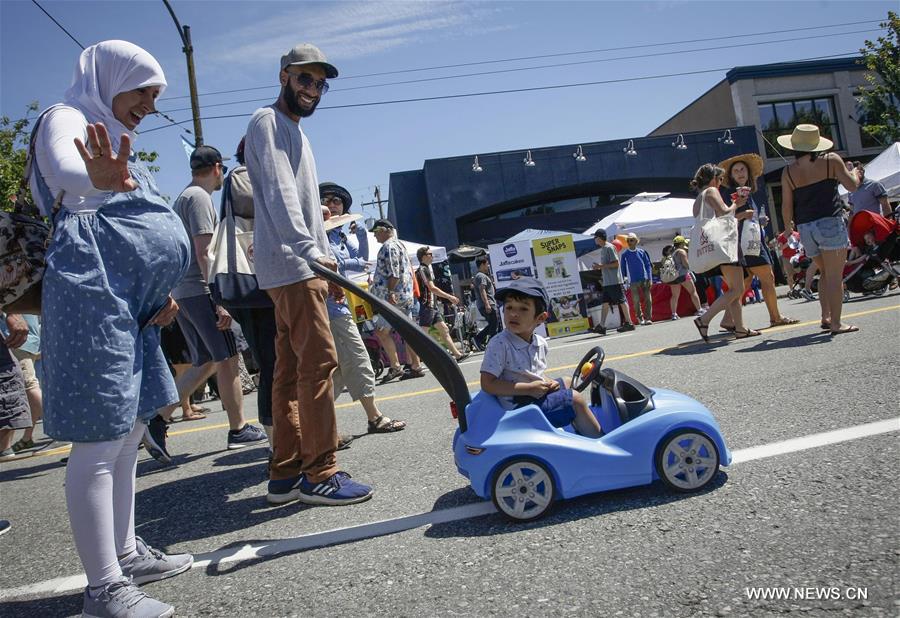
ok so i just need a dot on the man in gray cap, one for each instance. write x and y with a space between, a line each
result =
289 233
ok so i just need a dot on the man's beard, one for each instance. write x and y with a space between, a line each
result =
289 96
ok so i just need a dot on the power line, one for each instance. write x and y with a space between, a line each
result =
496 92
555 55
545 66
77 42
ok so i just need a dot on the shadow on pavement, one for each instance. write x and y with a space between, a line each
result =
68 605
766 345
564 511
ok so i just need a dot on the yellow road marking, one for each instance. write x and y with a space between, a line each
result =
429 391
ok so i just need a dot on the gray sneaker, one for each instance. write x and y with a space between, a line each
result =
152 565
123 599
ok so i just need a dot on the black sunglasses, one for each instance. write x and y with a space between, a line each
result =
224 168
332 199
306 80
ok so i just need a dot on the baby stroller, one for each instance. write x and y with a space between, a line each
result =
874 239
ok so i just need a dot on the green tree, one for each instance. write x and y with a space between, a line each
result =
881 99
15 136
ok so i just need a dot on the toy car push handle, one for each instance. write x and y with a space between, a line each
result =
430 352
588 368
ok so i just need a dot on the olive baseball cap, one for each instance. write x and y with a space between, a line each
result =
307 53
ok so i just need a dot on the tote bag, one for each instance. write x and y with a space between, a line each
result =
751 238
232 277
714 240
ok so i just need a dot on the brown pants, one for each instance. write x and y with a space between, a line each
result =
304 427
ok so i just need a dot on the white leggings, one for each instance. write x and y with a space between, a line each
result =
100 499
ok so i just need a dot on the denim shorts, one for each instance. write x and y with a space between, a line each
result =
556 406
825 234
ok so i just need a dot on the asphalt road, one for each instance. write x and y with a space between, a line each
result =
820 522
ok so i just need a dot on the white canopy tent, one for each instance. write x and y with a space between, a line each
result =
885 168
531 234
654 217
440 253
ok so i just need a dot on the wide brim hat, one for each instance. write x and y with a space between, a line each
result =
332 188
805 138
753 162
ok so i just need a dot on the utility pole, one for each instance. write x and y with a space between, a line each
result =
378 201
185 33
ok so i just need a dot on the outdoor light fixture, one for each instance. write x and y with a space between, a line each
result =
476 167
679 144
528 161
726 139
629 149
579 155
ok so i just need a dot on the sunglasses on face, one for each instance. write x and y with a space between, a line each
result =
331 199
305 80
224 169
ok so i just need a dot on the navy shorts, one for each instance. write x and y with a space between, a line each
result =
614 294
197 318
556 406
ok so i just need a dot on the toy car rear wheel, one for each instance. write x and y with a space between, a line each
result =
523 489
687 460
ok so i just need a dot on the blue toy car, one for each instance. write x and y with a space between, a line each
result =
521 462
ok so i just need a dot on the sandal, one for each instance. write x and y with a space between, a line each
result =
726 329
22 445
783 321
411 374
702 328
825 325
196 416
383 424
841 331
747 332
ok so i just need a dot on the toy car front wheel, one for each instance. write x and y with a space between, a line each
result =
687 460
523 489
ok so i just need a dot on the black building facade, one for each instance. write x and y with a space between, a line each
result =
448 203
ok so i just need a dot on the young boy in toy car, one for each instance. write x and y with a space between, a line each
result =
516 358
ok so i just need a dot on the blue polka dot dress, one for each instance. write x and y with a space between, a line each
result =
108 273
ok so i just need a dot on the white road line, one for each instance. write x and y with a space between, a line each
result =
409 522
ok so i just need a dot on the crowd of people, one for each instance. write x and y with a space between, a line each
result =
123 264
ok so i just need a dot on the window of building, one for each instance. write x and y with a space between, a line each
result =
780 117
862 119
566 205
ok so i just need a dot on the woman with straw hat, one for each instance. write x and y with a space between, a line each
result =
810 202
741 172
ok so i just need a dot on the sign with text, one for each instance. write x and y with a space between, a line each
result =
557 268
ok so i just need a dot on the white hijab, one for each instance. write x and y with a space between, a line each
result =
103 71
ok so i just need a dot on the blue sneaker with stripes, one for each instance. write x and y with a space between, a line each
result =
283 491
338 489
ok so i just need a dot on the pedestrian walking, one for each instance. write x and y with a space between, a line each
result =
288 233
741 171
393 281
613 285
706 182
14 410
638 270
430 316
810 203
206 326
116 253
683 280
483 285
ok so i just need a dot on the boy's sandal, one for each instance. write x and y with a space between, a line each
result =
22 445
747 332
383 424
783 321
702 328
845 329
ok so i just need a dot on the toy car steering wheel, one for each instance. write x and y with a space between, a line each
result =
588 369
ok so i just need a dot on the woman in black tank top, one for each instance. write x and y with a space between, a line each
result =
810 202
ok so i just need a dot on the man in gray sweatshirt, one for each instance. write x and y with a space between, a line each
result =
289 232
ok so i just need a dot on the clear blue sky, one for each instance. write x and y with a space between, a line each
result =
238 45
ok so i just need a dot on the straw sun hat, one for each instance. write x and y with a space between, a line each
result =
753 162
805 138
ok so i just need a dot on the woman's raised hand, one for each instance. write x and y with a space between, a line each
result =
107 170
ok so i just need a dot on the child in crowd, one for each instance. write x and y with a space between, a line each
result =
516 358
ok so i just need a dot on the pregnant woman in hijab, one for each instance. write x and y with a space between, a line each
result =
117 250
